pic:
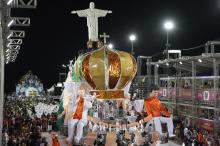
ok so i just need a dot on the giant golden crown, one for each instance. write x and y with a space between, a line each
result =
108 71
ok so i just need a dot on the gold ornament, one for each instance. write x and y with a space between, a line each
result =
108 71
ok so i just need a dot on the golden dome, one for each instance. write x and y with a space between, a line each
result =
108 71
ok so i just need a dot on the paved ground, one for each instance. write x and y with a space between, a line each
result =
62 142
170 144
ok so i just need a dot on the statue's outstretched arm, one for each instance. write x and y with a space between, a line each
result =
80 13
102 13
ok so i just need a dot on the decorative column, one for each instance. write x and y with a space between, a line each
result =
194 108
216 111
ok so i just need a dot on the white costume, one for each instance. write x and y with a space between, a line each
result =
80 123
70 93
168 121
92 15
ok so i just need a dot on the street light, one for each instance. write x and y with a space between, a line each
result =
132 38
110 46
168 25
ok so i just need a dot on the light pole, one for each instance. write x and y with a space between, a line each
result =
8 53
132 38
168 25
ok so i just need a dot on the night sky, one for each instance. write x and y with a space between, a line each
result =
55 35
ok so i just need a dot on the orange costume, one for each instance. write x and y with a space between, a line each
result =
55 141
160 115
78 118
154 107
79 109
200 137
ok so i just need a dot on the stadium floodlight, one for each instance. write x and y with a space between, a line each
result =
8 44
10 22
9 35
9 2
7 50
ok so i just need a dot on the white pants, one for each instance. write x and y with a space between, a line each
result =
72 123
168 121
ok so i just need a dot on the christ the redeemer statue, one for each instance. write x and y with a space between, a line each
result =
92 16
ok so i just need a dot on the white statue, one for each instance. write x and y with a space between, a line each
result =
92 15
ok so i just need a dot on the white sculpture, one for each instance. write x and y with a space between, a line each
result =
42 108
92 16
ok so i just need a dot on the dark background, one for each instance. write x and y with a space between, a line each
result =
55 35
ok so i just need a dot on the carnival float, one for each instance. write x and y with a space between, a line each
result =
97 108
105 75
30 91
30 86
